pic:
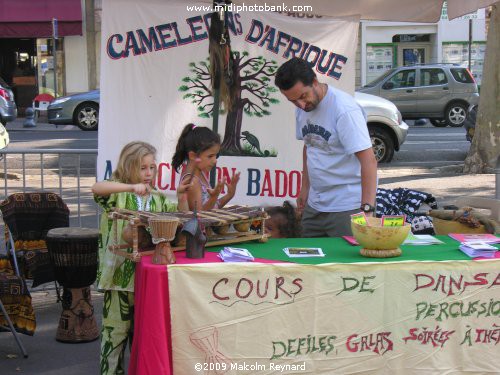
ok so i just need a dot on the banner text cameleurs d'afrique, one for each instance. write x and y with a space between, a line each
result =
427 318
154 80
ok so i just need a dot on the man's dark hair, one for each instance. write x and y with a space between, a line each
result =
293 71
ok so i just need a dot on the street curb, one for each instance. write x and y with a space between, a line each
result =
43 129
456 168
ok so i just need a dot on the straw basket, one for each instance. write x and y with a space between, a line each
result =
163 228
379 241
445 227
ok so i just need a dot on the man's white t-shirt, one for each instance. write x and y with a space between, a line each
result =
332 133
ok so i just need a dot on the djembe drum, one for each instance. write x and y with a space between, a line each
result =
163 230
73 252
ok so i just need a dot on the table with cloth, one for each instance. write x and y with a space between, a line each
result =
431 310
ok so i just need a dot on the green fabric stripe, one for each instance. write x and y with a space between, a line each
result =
337 250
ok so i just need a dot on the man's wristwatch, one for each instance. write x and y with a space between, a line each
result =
366 207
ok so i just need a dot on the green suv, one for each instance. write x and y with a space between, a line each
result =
440 92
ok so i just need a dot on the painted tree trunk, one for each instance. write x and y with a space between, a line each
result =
231 144
232 132
485 148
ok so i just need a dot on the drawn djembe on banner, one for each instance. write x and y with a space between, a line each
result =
163 230
207 340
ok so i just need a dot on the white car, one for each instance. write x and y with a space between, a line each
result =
386 126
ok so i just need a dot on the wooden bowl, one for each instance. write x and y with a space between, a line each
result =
379 241
221 229
242 227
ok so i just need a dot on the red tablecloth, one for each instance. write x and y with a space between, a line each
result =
151 347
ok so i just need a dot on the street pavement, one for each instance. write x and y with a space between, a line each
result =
41 125
47 356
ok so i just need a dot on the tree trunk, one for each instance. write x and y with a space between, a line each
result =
232 132
485 148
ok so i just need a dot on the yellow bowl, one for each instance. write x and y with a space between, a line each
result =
376 237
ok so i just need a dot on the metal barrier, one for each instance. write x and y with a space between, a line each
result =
64 175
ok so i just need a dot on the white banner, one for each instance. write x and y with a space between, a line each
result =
154 80
428 318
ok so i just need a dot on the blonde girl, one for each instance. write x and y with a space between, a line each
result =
131 187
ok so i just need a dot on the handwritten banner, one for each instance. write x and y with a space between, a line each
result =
391 318
155 79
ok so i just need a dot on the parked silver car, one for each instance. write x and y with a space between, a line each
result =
440 92
81 110
8 108
387 129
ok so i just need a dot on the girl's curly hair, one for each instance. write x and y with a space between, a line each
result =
290 227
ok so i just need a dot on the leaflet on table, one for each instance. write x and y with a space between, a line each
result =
478 249
303 252
421 239
467 237
235 254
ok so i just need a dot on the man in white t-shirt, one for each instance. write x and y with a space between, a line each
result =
339 176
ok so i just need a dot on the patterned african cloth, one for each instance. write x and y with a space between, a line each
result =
29 216
402 201
117 272
16 299
117 330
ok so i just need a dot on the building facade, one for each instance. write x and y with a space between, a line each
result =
47 46
386 45
27 46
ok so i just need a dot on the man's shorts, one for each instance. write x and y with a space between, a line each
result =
326 224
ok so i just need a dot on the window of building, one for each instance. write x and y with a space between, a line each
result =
45 71
458 53
379 59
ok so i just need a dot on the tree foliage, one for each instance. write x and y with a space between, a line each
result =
256 87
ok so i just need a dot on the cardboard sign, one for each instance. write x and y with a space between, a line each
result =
393 220
359 218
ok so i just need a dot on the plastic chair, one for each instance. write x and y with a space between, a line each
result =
41 103
10 284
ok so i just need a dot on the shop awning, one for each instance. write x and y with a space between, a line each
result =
33 19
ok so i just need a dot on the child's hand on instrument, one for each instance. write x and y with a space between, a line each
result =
185 185
141 189
231 187
217 189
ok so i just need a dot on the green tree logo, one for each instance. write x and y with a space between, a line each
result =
253 97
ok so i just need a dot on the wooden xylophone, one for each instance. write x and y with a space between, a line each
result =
217 223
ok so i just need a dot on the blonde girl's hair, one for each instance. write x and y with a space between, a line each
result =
129 164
